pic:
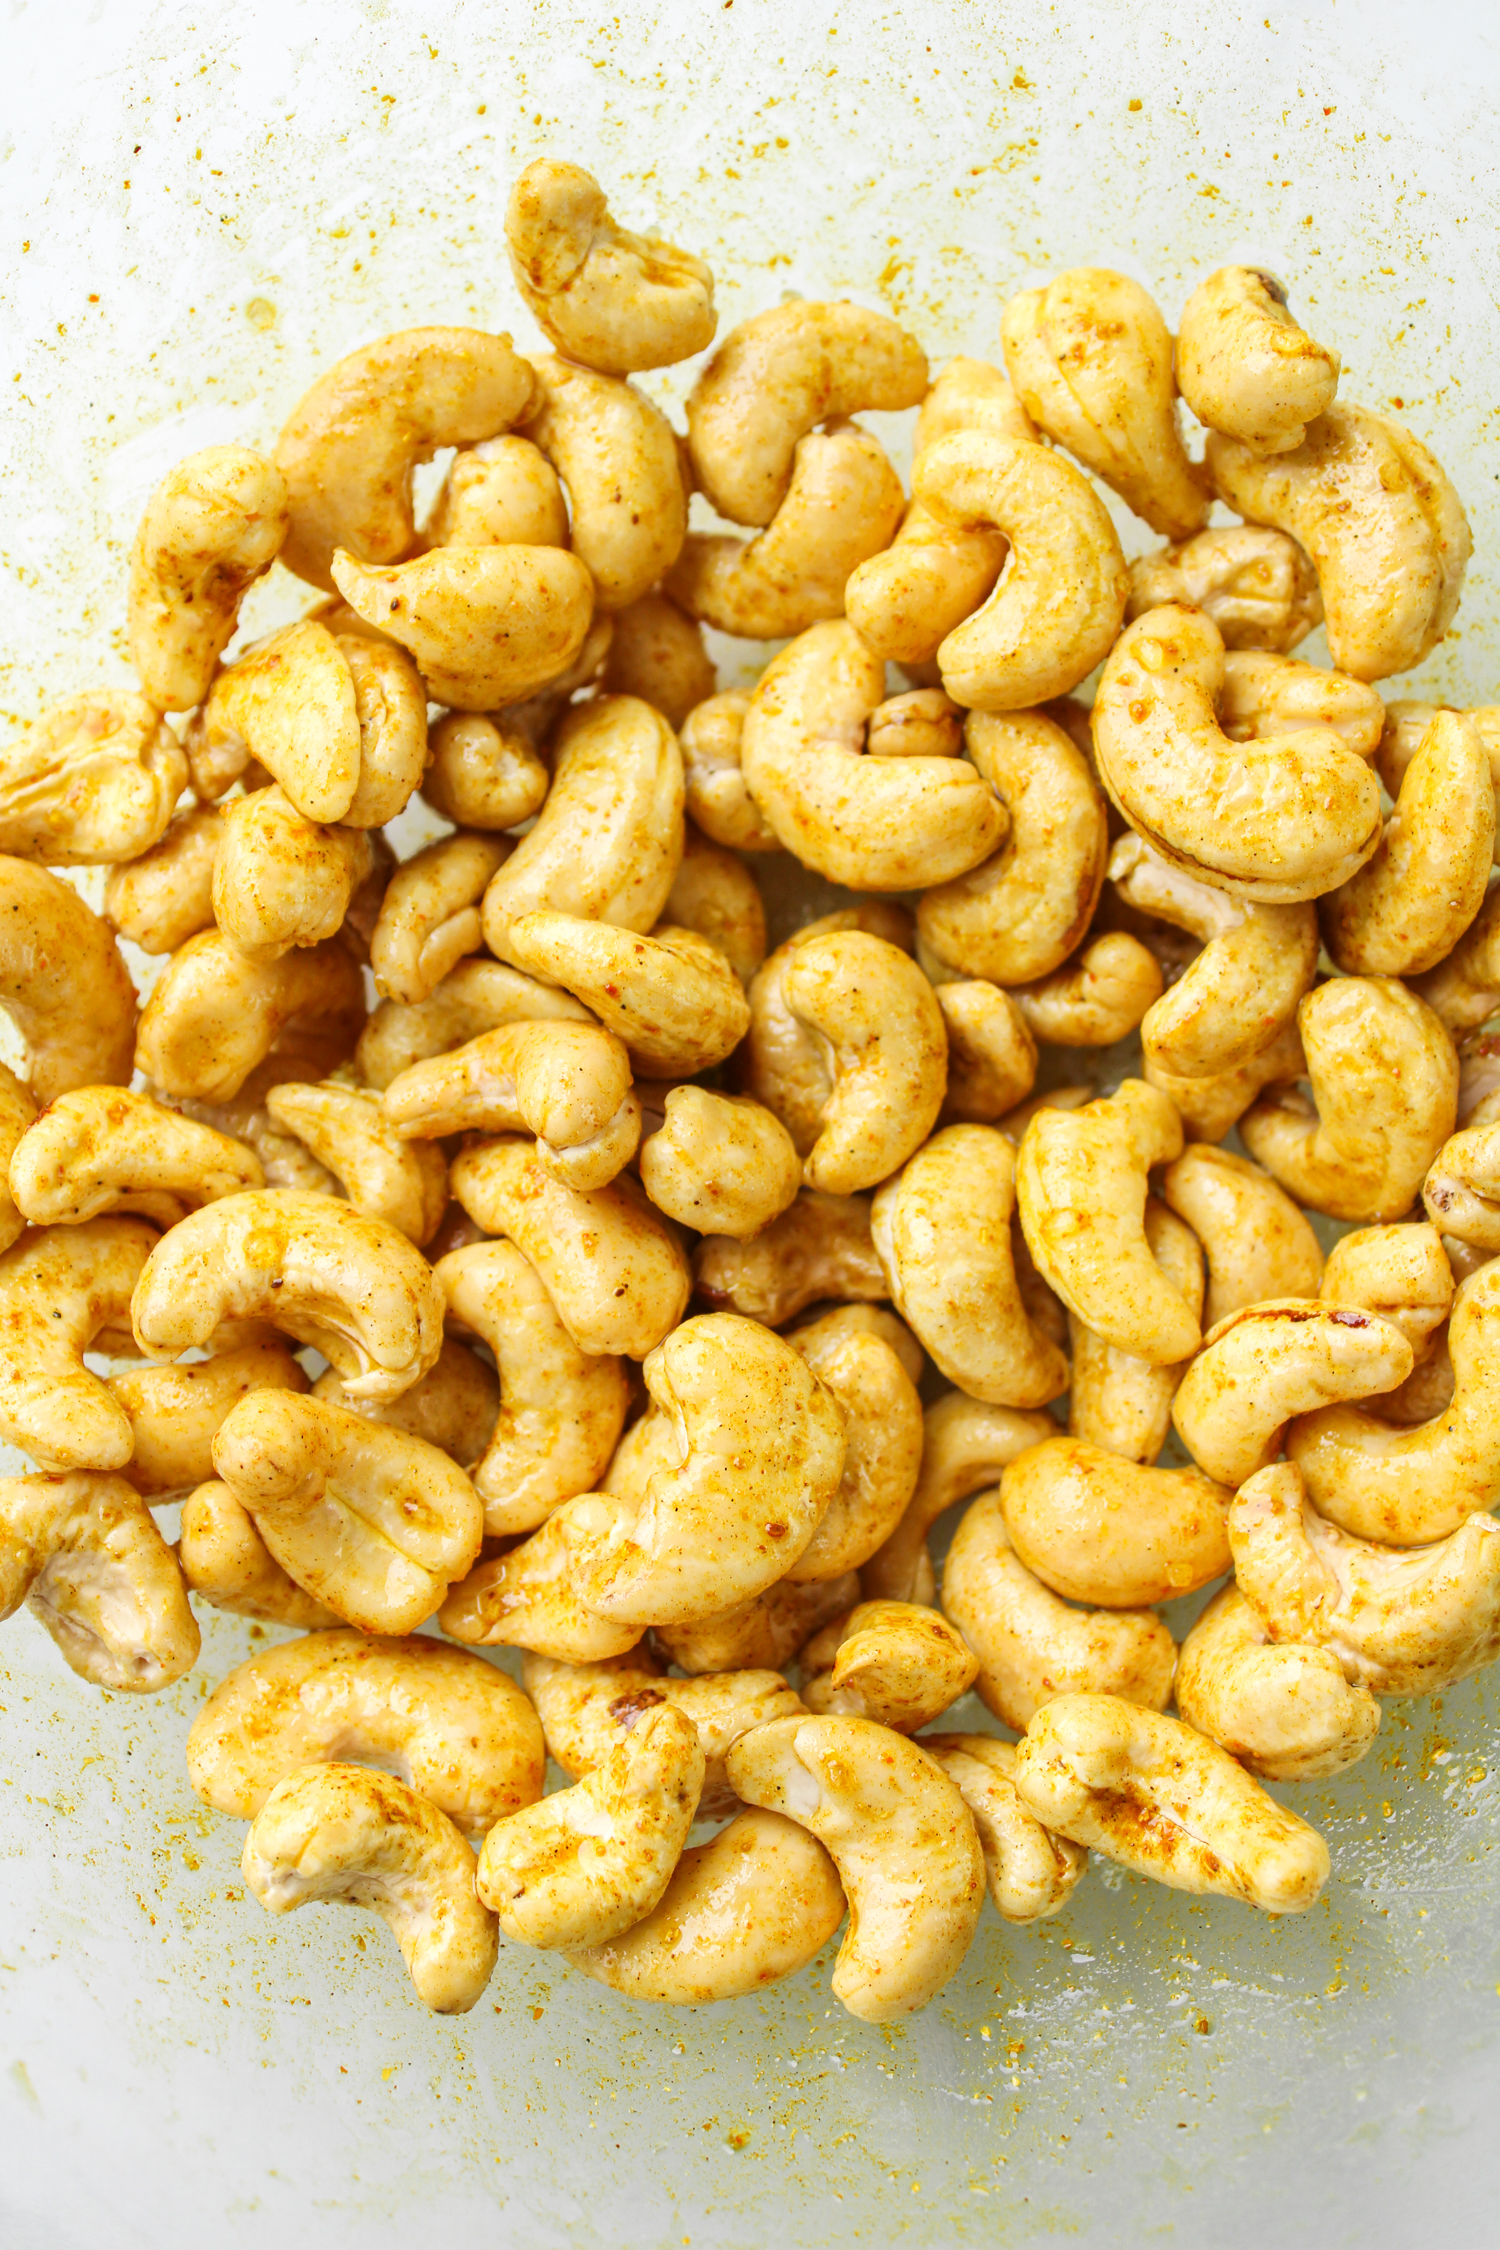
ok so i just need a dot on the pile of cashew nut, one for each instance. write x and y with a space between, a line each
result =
578 1292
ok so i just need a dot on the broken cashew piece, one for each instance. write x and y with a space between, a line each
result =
213 525
1249 369
721 1163
289 704
83 1551
898 1663
1032 1873
1110 1532
103 1148
992 1056
607 298
1282 1710
1097 998
63 984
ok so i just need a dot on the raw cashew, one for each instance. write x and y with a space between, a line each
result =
225 1561
1019 916
898 1663
94 779
1116 1400
761 1452
742 1911
873 823
486 625
84 1554
289 704
991 1052
819 1248
612 1268
65 1291
1384 527
842 507
429 919
1164 1801
279 879
605 297
213 525
525 1599
1106 1531
883 1444
1283 1711
1271 1361
1384 1099
103 1148
373 1522
583 1865
503 493
569 1083
344 1833
476 997
721 1163
165 897
617 455
453 1406
767 1631
1256 585
1032 1873
403 1182
174 1411
1095 999
349 449
1209 1107
965 1445
1400 1623
1277 819
1400 1272
1060 598
1408 907
774 378
352 1287
658 654
63 984
1257 1243
483 772
901 1838
672 997
1247 367
717 798
608 840
715 895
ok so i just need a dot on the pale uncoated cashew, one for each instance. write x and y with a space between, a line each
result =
1384 527
875 824
714 894
483 772
1031 1644
165 897
1400 1623
1116 1400
608 841
658 654
774 378
349 449
1091 359
486 625
717 797
819 1248
63 984
373 1522
345 1833
941 1230
767 1631
608 298
1257 585
760 1453
965 1445
1257 1243
65 1291
103 1148
281 880
477 996
1097 998
1110 1532
584 1864
1384 1100
450 1726
525 1599
898 1663
1247 367
1269 1362
1407 908
1019 915
721 1163
901 1838
92 780
992 1056
1164 1801
352 1287
611 1266
883 1444
85 1555
1278 819
569 1083
429 917
213 525
672 997
289 704
847 1046
617 455
225 1561
1283 1710
385 1176
174 1411
1032 1873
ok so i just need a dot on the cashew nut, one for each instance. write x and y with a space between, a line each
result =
94 779
819 1248
1408 907
1282 1710
1264 694
175 1411
17 1113
717 797
1210 1106
767 1631
606 298
721 1163
658 654
714 894
103 1148
279 879
63 983
62 1291
1269 1362
569 1083
503 493
1256 585
483 772
1400 1272
453 1406
525 1599
225 1561
289 704
672 997
213 1015
476 997
429 918
1118 1401
1257 1243
965 1445
883 1444
165 897
1032 1873
385 1176
898 1663
1247 367
213 525
486 625
617 454
992 1055
1110 1532
85 1555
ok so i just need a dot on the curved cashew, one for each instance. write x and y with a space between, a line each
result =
279 879
483 772
1256 585
1097 998
429 918
1118 1401
85 1555
165 897
819 1248
1262 1366
94 779
175 1411
898 1663
502 493
569 1083
1282 1710
454 1406
612 1268
1264 694
1060 598
717 798
1384 1099
1032 1873
608 298
658 654
673 997
874 823
865 1320
353 1287
715 895
901 1838
1404 729
390 702
720 1162
338 1832
103 1148
608 841
1247 367
617 455
883 1444
965 1445
289 704
922 724
1257 1243
213 525
1462 1191
384 1175
1209 1107
476 997
525 1599
225 1562
18 1113
1465 989
63 983
766 1632
1400 1272
992 1055
62 1289
1109 1532
1408 907
486 625
213 1015
1164 1801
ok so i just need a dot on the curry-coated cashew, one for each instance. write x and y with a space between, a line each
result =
1257 1243
742 1911
225 1562
17 1114
103 1148
1163 1800
373 1522
658 654
1117 1400
384 1175
819 1248
1265 694
569 1083
883 1444
767 1631
64 1291
347 1834
1278 819
476 997
672 997
874 823
901 1838
608 841
351 1286
84 1553
63 983
525 1599
992 1056
304 1053
174 1411
1248 368
213 525
1407 908
281 880
450 1726
1032 1873
581 1866
1282 1710
1269 1362
165 897
1210 1106
717 797
843 506
720 1162
1465 989
1060 599
1384 1099
483 772
965 1445
1404 729
1031 1644
350 447
899 1663
93 779
1019 915
500 493
1400 1272
611 1266
617 455
289 704
390 703
761 1452
429 918
1110 1532
1095 999
941 1229
607 298
1400 1622
1383 525
1256 585
454 1406
1461 1193
715 895
486 625
924 723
